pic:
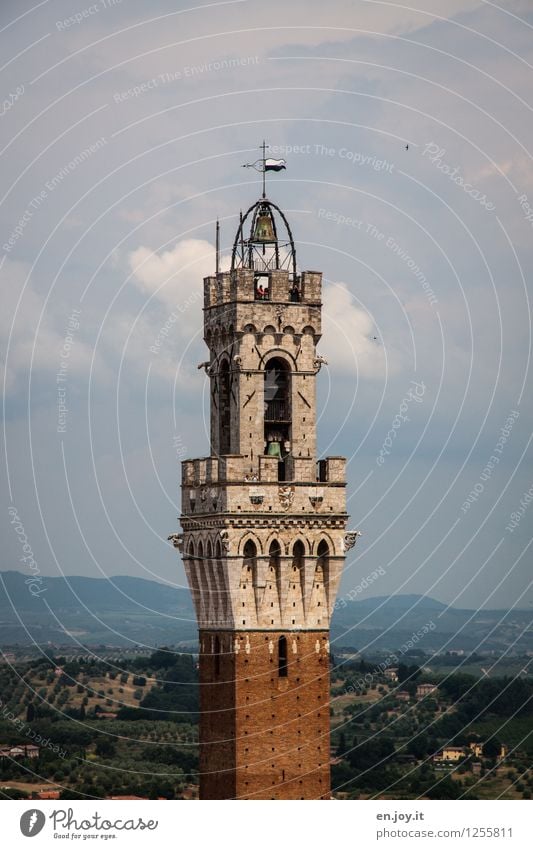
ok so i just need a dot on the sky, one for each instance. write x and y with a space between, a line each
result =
409 184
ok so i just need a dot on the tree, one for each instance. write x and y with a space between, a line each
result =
418 746
342 748
30 713
444 789
491 749
105 748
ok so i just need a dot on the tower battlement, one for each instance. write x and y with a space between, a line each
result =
281 287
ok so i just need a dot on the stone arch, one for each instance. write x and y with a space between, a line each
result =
250 328
280 354
289 330
318 608
198 583
324 537
272 538
304 542
269 329
249 535
272 592
212 580
224 412
247 604
295 579
309 330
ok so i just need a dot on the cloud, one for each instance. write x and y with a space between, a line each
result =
174 275
349 331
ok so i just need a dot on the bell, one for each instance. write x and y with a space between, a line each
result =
264 230
274 449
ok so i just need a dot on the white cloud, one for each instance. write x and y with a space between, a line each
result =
348 341
174 275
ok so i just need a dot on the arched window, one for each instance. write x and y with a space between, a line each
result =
224 413
250 555
190 550
298 554
274 553
282 657
217 657
322 553
200 551
278 412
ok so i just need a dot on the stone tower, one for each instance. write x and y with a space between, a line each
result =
264 527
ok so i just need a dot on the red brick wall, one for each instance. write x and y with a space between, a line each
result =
262 735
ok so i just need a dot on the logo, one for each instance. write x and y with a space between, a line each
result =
32 822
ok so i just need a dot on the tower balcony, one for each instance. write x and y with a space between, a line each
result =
218 485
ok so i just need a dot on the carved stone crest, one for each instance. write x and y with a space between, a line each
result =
286 496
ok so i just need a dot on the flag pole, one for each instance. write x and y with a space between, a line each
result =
218 246
264 167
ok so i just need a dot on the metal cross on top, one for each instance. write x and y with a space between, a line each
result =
263 165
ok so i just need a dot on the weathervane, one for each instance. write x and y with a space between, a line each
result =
263 165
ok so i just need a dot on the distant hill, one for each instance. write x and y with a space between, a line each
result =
118 611
124 611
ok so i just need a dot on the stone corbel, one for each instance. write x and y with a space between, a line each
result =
349 540
177 541
224 540
318 362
